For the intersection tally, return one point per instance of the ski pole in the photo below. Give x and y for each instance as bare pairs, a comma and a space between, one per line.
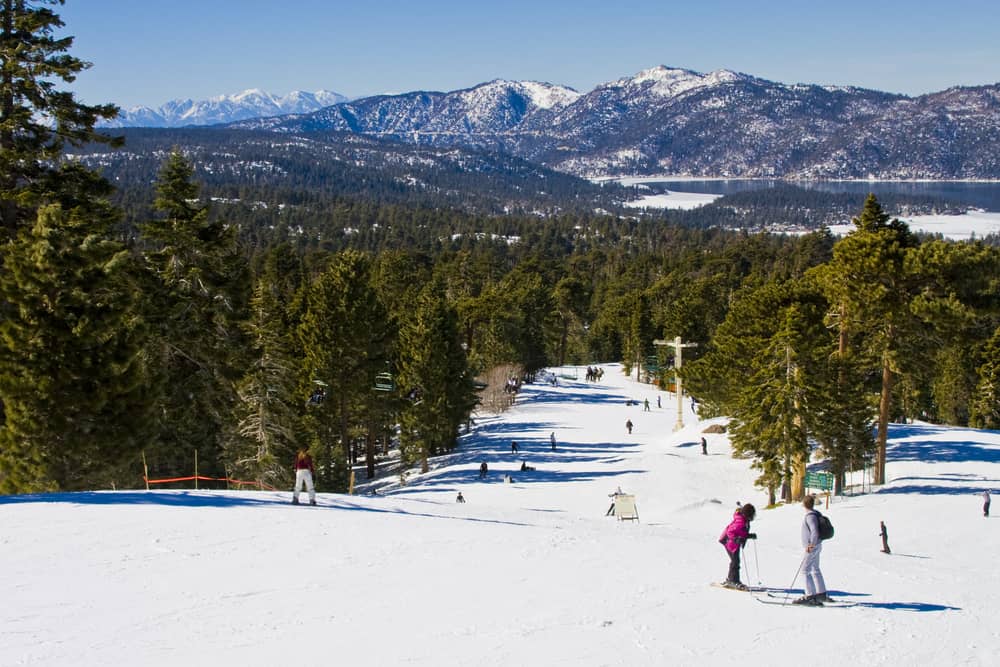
801, 563
756, 562
743, 557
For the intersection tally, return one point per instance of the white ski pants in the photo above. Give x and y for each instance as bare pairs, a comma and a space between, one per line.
810, 568
304, 478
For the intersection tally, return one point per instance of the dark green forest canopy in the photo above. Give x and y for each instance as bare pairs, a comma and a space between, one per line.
223, 299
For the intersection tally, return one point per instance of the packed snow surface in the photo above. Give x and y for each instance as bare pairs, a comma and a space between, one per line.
971, 225
524, 573
673, 200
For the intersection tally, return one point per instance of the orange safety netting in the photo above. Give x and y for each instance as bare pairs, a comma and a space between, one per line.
237, 482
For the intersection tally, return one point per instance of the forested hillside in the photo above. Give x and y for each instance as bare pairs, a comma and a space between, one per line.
142, 319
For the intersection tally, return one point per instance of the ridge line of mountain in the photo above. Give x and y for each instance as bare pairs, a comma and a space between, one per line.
722, 123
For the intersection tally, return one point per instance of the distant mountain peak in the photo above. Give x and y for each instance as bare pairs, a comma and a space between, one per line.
670, 81
250, 103
541, 95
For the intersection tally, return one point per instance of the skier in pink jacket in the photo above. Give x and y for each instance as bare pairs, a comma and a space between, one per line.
733, 538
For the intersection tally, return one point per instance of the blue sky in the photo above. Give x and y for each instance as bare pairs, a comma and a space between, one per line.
147, 52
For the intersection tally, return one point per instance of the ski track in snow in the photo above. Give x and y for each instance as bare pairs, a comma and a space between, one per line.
529, 573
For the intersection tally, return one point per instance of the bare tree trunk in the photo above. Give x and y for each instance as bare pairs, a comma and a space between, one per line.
883, 419
562, 342
799, 479
8, 209
370, 450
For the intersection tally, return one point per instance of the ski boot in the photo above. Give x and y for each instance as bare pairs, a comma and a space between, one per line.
808, 601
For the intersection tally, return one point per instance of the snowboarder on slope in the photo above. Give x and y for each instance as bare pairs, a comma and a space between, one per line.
986, 502
304, 476
733, 538
628, 426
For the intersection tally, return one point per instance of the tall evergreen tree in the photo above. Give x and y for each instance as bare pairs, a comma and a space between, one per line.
765, 368
871, 291
985, 408
344, 335
570, 299
71, 375
195, 294
434, 367
264, 441
37, 120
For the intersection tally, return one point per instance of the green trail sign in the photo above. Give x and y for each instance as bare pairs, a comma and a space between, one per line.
819, 480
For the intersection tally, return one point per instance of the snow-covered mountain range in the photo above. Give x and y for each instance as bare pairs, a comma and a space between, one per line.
662, 120
251, 103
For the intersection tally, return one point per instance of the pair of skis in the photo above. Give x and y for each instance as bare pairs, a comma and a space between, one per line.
778, 596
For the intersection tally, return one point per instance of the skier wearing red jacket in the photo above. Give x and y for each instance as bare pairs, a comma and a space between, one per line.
304, 476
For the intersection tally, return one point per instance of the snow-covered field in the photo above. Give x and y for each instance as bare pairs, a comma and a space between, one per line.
972, 224
528, 573
673, 200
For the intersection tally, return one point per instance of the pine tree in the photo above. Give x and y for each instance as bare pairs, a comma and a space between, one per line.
344, 335
771, 403
985, 408
38, 120
195, 293
871, 291
570, 299
71, 375
435, 370
264, 441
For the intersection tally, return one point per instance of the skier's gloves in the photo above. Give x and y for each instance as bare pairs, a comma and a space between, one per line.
751, 536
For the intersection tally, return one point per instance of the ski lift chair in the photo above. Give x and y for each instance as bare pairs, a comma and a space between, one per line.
384, 382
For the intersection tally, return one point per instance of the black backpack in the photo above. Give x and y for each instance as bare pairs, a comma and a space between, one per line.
823, 526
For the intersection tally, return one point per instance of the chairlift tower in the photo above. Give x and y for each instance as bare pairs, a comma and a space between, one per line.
678, 360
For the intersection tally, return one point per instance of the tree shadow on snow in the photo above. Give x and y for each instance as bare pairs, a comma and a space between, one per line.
937, 451
199, 499
572, 393
158, 497
931, 490
454, 479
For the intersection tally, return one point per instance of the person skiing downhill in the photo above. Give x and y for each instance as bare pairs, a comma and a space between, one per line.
733, 538
304, 476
